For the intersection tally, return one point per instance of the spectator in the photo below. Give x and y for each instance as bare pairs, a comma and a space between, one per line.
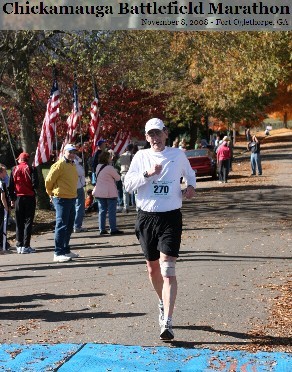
90, 167
230, 145
80, 200
10, 218
132, 195
23, 183
116, 164
224, 139
4, 208
183, 144
106, 193
223, 161
84, 154
101, 147
204, 143
198, 144
125, 161
255, 157
248, 135
61, 186
90, 203
176, 142
217, 142
135, 149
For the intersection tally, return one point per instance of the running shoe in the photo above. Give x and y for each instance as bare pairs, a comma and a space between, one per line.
166, 333
61, 258
24, 250
80, 229
31, 250
117, 232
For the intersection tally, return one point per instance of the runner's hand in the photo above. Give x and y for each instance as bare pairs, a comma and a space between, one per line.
189, 192
156, 169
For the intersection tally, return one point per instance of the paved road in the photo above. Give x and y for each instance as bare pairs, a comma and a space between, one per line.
236, 242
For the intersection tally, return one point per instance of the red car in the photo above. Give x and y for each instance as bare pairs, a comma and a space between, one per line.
203, 162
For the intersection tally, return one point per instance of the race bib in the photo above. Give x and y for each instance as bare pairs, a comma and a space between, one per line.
162, 189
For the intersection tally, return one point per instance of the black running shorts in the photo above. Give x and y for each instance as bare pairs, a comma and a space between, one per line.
159, 232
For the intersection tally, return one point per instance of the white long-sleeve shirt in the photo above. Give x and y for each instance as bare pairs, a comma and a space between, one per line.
81, 172
162, 192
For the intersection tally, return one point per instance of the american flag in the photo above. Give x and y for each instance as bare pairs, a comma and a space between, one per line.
48, 131
94, 125
121, 142
72, 121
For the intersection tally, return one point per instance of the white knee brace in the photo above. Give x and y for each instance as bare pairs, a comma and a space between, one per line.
167, 268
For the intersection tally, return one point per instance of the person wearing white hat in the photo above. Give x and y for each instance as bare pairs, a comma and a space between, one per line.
61, 186
155, 173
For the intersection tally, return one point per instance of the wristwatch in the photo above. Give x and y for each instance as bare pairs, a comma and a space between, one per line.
145, 174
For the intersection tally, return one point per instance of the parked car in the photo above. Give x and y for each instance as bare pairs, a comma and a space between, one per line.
203, 162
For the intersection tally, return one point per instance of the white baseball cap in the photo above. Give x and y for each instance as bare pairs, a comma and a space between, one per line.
69, 147
154, 124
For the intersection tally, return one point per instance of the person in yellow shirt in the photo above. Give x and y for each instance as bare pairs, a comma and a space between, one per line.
61, 186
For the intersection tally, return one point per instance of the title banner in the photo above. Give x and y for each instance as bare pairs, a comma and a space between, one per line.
177, 15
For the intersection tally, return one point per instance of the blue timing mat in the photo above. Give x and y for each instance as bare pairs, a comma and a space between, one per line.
114, 358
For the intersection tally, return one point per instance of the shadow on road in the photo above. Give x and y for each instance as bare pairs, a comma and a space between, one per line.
254, 338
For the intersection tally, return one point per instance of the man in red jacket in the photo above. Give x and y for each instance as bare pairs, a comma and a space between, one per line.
22, 185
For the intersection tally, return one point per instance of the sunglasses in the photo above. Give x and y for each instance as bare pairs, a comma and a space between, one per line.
154, 132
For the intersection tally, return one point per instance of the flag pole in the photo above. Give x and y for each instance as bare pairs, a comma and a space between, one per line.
55, 124
94, 87
81, 140
95, 93
8, 134
80, 123
56, 142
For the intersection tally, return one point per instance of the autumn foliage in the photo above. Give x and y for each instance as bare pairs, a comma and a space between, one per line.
282, 104
120, 107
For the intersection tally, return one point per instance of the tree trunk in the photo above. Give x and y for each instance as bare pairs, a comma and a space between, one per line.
27, 127
43, 200
206, 119
27, 124
285, 120
193, 134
